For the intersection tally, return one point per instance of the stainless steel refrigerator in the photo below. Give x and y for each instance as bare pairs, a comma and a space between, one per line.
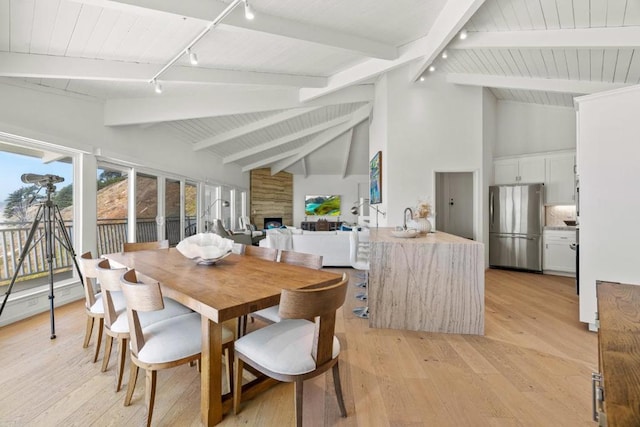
515, 226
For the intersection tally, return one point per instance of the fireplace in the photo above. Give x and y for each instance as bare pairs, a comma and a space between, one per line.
272, 222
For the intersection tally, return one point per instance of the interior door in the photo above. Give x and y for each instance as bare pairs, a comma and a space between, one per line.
454, 200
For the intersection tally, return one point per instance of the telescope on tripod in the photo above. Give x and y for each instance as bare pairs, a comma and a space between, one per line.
49, 214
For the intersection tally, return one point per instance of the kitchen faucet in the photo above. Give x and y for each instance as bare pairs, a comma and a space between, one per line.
405, 217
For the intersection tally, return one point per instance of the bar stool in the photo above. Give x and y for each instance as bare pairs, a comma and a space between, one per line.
359, 260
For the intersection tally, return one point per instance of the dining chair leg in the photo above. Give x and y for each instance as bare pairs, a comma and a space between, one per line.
338, 387
122, 355
99, 339
229, 366
89, 330
133, 377
150, 393
237, 390
298, 398
107, 352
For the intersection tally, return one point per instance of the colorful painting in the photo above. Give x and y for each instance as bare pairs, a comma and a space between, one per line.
322, 205
375, 179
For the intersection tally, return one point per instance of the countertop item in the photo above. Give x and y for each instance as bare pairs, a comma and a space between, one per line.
432, 283
405, 234
560, 227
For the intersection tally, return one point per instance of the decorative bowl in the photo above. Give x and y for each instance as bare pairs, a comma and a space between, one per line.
405, 234
205, 248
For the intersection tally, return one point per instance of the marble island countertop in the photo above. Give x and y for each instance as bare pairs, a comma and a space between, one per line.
432, 283
384, 235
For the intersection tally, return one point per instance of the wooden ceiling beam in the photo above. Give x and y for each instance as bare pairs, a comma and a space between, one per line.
580, 38
324, 138
266, 162
269, 145
252, 127
219, 101
24, 65
207, 11
527, 83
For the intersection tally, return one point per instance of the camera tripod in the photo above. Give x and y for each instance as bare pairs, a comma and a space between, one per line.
54, 228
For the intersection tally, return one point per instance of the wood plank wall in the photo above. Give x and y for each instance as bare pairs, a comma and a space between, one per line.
271, 196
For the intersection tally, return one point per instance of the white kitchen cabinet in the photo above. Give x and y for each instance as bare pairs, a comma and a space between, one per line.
560, 179
558, 257
521, 170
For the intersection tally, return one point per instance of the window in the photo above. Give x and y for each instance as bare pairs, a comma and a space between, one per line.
146, 208
172, 202
21, 203
190, 209
112, 215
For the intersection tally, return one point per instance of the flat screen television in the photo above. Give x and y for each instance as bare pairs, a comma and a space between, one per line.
322, 205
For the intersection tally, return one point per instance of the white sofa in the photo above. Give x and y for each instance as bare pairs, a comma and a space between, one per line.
332, 245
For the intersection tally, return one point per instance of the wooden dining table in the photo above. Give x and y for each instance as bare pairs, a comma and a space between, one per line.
235, 286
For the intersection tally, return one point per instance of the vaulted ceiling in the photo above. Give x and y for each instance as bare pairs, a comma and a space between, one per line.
292, 88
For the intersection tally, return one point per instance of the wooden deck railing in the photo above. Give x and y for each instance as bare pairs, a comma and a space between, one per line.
111, 234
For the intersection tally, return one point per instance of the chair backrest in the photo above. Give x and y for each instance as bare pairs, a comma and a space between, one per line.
139, 297
301, 259
145, 246
243, 222
218, 228
269, 254
88, 266
322, 225
109, 279
318, 303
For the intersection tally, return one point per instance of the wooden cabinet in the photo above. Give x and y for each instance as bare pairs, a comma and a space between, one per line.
560, 179
616, 394
558, 255
522, 170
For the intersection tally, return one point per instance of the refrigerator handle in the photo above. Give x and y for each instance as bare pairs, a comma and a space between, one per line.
491, 207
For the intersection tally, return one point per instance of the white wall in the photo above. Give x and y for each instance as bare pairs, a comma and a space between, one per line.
524, 128
431, 126
608, 153
489, 138
346, 188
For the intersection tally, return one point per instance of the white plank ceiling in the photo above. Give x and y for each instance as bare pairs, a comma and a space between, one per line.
291, 89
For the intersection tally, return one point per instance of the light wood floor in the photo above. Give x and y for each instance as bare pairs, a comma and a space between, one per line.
531, 369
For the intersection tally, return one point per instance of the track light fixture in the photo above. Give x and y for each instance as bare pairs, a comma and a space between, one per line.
445, 55
157, 86
432, 68
193, 57
463, 34
421, 78
248, 11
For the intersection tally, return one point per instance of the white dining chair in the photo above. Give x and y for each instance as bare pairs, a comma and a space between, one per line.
296, 349
116, 325
164, 344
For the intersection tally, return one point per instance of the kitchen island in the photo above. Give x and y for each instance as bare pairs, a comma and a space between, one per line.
432, 283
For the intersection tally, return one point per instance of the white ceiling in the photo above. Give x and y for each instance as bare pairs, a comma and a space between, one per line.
291, 90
